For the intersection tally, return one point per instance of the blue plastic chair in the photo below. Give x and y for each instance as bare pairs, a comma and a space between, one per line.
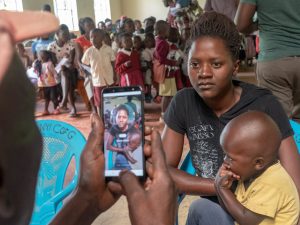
61, 143
187, 165
296, 128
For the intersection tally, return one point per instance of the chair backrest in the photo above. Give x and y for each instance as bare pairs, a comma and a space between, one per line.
296, 128
62, 143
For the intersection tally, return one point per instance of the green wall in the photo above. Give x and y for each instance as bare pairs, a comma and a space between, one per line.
36, 4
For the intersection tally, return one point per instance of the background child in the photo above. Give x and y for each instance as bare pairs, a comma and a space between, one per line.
265, 193
175, 54
146, 62
64, 51
23, 55
128, 63
47, 80
167, 89
101, 59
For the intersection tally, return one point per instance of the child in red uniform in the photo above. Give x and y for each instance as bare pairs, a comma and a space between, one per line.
128, 64
167, 89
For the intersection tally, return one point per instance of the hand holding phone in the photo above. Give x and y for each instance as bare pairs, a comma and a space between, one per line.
124, 130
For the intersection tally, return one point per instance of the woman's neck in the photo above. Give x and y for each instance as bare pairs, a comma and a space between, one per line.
225, 101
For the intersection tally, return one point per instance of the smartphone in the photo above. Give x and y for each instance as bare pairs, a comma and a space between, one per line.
123, 116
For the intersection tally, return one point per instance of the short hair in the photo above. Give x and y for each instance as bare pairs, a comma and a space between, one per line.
98, 31
46, 8
122, 107
124, 35
63, 27
160, 26
216, 25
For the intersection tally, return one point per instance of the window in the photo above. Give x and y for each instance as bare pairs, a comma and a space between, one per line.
15, 5
66, 11
102, 10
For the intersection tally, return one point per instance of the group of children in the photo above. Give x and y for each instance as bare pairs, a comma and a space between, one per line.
120, 59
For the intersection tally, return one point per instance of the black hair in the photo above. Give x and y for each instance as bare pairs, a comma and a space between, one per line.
46, 8
81, 23
126, 21
98, 31
124, 35
63, 27
122, 107
173, 35
216, 25
160, 26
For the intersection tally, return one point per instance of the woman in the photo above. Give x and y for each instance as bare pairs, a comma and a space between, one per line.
81, 45
202, 112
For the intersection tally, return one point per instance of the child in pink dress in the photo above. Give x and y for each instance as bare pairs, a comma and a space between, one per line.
128, 64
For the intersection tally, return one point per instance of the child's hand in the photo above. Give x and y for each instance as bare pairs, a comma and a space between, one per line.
128, 63
67, 55
225, 177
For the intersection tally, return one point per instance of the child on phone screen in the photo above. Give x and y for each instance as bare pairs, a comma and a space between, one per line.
265, 193
123, 139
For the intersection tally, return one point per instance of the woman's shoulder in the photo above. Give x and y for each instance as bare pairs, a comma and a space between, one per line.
186, 95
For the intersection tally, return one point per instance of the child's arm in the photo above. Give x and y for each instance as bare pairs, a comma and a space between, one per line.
121, 64
129, 157
241, 214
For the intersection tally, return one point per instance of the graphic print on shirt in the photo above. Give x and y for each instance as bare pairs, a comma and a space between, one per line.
206, 157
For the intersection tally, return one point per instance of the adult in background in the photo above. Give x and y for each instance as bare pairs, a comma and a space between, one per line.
225, 7
278, 66
82, 43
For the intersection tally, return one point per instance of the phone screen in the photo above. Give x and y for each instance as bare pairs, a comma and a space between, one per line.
124, 130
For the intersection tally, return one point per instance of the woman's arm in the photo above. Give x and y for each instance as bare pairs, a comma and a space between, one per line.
290, 159
110, 147
173, 147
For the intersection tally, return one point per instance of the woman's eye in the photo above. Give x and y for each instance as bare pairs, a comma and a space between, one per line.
216, 65
194, 65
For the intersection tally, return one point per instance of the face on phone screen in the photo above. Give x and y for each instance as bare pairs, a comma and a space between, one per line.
123, 138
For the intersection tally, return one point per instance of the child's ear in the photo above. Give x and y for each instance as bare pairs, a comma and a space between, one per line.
259, 163
236, 67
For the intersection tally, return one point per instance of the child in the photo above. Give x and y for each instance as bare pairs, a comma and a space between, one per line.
47, 80
146, 62
128, 64
265, 193
123, 138
64, 51
138, 44
101, 59
167, 88
23, 55
176, 55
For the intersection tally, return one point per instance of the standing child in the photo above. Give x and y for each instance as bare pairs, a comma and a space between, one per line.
100, 57
23, 55
176, 55
265, 193
167, 88
47, 80
64, 50
128, 63
147, 58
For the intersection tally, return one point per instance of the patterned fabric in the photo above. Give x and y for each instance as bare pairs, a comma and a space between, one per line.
63, 51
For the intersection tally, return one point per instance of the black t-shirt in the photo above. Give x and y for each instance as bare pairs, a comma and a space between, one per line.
188, 114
